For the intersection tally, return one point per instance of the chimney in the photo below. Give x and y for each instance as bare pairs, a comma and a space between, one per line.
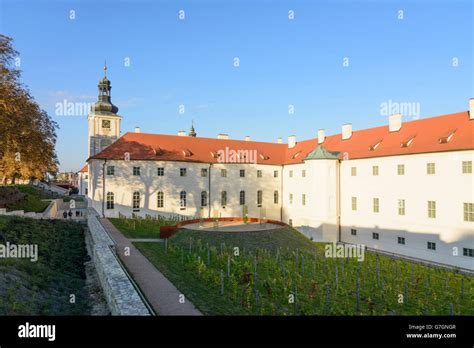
321, 136
223, 136
291, 141
394, 122
182, 133
471, 109
137, 129
346, 131
279, 140
247, 138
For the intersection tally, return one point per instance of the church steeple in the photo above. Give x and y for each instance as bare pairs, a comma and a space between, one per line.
192, 132
104, 104
103, 121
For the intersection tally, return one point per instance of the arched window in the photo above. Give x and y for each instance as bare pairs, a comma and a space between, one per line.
182, 199
110, 200
224, 198
160, 199
259, 198
203, 199
242, 197
136, 200
275, 197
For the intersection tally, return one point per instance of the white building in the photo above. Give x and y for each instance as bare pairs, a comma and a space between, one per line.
405, 188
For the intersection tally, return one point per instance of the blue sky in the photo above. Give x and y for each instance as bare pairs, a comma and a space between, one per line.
283, 62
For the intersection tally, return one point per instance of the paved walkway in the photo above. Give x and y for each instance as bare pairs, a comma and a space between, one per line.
162, 295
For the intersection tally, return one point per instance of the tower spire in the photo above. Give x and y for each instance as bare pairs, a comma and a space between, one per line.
105, 68
192, 132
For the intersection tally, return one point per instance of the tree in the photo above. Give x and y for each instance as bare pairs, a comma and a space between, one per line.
27, 133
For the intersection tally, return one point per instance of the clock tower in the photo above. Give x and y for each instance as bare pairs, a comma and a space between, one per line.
103, 120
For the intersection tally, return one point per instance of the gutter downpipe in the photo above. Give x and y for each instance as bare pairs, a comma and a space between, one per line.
338, 198
209, 202
103, 188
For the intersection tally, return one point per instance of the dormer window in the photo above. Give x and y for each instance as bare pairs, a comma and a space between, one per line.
447, 137
375, 146
215, 154
187, 153
106, 124
296, 154
158, 151
407, 142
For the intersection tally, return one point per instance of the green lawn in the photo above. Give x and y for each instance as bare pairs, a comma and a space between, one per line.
290, 266
43, 287
35, 200
141, 228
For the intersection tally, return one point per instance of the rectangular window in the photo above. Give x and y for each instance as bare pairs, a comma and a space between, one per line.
182, 171
469, 212
467, 167
303, 199
291, 198
224, 198
401, 207
110, 200
401, 240
259, 198
136, 200
430, 168
468, 252
291, 173
204, 199
275, 197
224, 173
401, 169
160, 199
275, 173
242, 173
375, 170
353, 171
431, 246
354, 203
303, 173
110, 170
136, 170
204, 172
376, 205
259, 173
182, 200
242, 197
432, 209
375, 235
353, 232
160, 171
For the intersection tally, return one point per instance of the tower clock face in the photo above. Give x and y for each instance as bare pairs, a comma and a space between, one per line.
106, 124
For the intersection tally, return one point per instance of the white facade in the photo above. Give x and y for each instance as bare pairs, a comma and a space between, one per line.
123, 184
449, 188
418, 205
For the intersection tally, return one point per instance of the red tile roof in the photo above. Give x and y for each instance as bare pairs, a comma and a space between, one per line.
426, 134
84, 169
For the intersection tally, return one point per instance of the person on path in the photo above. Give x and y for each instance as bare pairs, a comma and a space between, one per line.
70, 214
65, 214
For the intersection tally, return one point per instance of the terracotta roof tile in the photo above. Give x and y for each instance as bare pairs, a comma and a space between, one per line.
426, 134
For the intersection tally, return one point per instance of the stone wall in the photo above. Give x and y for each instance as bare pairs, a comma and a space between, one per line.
121, 295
